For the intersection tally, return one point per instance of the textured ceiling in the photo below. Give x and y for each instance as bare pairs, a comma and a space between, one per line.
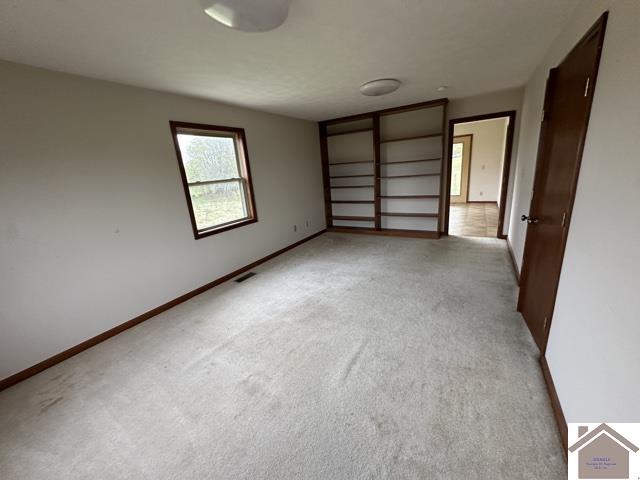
310, 67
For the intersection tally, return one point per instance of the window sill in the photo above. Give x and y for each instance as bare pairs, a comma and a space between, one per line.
198, 234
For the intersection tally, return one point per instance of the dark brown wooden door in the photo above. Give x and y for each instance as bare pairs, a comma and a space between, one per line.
567, 106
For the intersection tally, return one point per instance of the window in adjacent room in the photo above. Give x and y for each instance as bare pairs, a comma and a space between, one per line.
456, 168
215, 172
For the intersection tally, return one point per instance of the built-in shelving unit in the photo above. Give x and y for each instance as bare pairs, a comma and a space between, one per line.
382, 170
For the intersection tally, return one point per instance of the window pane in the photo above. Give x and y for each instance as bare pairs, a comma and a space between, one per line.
456, 169
217, 203
208, 158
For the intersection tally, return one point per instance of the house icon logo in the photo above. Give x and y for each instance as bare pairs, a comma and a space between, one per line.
602, 453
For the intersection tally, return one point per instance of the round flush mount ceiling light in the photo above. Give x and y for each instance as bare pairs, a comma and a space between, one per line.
248, 15
442, 88
382, 86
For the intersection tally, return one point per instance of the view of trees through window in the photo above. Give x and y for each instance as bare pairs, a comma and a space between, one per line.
215, 183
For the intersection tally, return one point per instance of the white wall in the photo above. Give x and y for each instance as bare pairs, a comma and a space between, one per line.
95, 228
487, 154
500, 101
593, 349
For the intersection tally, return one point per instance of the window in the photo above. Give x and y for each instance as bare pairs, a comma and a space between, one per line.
215, 173
456, 169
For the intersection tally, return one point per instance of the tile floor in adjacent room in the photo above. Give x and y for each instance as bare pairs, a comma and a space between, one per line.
473, 219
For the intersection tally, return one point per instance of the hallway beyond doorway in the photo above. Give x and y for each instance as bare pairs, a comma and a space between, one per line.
488, 167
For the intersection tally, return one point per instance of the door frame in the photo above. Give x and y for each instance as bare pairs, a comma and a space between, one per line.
506, 165
598, 28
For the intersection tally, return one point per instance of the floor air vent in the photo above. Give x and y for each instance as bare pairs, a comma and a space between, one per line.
245, 277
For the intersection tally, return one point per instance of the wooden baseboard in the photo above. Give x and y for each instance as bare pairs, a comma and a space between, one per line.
482, 201
514, 264
51, 361
386, 232
555, 404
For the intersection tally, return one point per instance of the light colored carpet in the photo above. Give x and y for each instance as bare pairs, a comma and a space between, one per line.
350, 357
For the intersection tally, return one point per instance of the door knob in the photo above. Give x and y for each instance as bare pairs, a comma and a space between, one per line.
529, 220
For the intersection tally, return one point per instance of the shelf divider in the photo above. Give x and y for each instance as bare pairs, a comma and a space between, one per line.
354, 218
359, 130
412, 137
398, 214
410, 196
376, 168
351, 176
350, 163
412, 161
413, 175
326, 181
444, 178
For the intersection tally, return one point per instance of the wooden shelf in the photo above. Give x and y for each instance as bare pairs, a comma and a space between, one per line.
421, 215
350, 163
351, 176
353, 201
348, 229
349, 217
352, 186
359, 130
409, 196
409, 176
412, 161
389, 232
414, 137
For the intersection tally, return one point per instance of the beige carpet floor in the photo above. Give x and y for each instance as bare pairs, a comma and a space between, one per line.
350, 357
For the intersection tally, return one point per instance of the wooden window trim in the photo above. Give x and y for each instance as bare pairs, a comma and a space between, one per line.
242, 156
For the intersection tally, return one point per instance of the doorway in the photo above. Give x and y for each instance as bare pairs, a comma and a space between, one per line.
478, 174
567, 105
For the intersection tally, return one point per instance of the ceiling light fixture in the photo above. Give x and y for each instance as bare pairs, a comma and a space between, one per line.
382, 86
442, 88
248, 15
